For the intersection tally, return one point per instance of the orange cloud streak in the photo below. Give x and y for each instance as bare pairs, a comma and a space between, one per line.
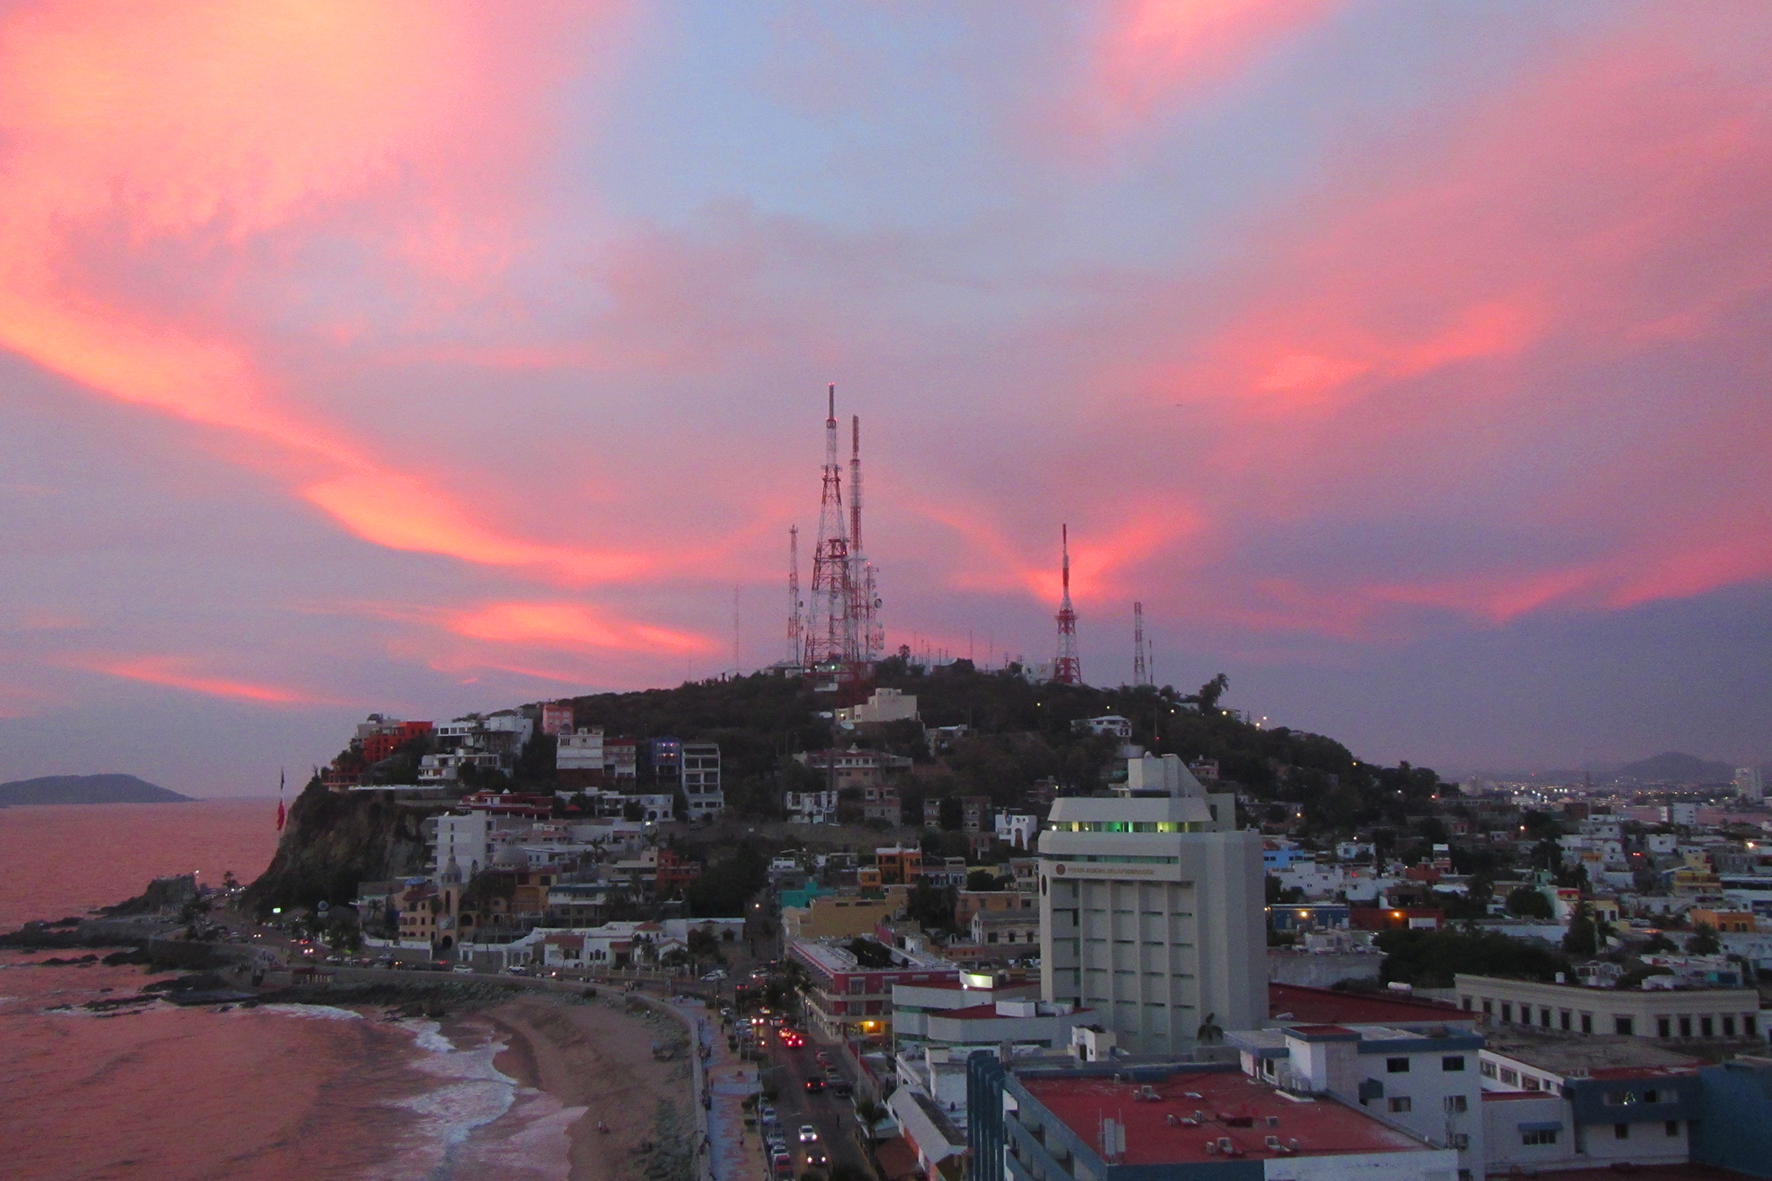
167, 671
570, 625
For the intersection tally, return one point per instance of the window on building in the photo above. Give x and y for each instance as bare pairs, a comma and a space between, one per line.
1507, 1012
1663, 1027
1487, 1069
1672, 1127
1529, 1081
1706, 1027
1452, 1062
1488, 1007
1544, 1018
1587, 1023
1399, 1104
1623, 1026
1510, 1077
1539, 1136
1621, 1131
1729, 1026
1396, 1066
1462, 1141
1564, 1020
1465, 1003
1457, 1104
1685, 1027
1748, 1022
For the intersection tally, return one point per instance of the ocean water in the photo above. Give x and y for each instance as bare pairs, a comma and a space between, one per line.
273, 1092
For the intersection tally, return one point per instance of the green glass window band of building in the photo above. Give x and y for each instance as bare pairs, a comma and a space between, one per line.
1117, 859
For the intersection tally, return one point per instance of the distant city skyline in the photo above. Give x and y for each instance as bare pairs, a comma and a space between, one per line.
1407, 362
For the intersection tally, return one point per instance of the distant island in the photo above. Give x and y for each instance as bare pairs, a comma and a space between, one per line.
87, 789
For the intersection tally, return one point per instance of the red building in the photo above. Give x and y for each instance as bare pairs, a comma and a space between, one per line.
384, 742
675, 872
1396, 918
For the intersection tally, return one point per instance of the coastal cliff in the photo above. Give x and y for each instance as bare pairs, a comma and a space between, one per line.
333, 840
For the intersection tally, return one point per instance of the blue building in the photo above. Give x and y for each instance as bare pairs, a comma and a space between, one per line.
1735, 1128
1308, 916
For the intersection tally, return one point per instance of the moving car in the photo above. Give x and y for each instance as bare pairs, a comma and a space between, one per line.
814, 1082
808, 1134
816, 1159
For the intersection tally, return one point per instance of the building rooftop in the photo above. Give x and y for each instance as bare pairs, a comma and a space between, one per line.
1295, 1003
1227, 1104
1590, 1057
831, 956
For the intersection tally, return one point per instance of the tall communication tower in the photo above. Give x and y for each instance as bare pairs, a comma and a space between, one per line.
1067, 669
831, 637
796, 620
865, 599
1141, 670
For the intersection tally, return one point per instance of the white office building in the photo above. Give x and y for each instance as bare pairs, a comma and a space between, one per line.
580, 749
1749, 784
701, 780
1151, 910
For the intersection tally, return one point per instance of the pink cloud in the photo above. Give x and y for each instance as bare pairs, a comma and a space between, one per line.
1457, 299
1152, 55
221, 135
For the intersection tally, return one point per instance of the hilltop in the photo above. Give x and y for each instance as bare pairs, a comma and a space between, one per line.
994, 734
1676, 767
86, 789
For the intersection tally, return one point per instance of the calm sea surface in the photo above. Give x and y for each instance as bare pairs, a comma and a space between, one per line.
274, 1092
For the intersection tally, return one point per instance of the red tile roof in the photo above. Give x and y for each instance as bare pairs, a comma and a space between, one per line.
1233, 1105
1326, 1006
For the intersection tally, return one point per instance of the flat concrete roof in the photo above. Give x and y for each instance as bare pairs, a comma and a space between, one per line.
1589, 1056
1233, 1106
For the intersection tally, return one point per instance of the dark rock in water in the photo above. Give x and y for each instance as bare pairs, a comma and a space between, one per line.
161, 894
134, 956
218, 996
87, 789
195, 982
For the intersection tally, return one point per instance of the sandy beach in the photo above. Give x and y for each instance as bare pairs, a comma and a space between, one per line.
596, 1058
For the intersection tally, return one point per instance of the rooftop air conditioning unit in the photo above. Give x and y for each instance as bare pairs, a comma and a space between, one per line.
1211, 1147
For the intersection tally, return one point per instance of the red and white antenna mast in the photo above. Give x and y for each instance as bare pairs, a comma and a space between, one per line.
864, 606
830, 632
1067, 669
796, 621
1141, 673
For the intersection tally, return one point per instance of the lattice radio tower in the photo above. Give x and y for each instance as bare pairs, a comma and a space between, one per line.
831, 631
864, 603
1067, 669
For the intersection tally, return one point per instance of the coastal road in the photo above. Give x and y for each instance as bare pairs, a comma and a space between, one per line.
832, 1116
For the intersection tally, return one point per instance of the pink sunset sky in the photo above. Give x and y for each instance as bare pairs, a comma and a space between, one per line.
1410, 362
